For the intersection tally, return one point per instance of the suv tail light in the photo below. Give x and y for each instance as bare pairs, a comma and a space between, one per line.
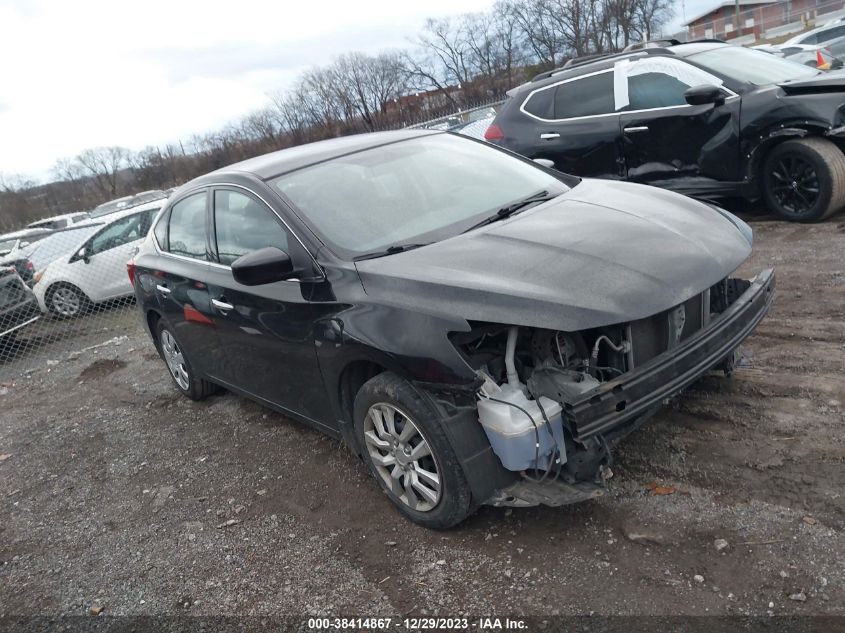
130, 270
494, 133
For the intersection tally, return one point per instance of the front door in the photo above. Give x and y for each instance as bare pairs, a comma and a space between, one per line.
264, 334
103, 275
667, 142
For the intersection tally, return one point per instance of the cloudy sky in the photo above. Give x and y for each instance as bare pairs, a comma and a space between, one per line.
85, 73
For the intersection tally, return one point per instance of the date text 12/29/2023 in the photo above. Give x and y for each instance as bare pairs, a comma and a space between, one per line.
417, 624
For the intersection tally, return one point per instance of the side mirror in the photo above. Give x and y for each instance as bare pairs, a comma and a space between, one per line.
264, 266
545, 162
704, 94
83, 254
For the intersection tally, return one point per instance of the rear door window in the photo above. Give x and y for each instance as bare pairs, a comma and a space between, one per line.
187, 227
585, 96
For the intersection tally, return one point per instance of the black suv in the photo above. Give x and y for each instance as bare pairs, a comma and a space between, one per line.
706, 119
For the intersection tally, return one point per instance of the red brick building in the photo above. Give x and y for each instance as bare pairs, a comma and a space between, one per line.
756, 17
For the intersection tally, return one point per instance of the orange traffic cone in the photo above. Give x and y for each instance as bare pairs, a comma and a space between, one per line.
821, 64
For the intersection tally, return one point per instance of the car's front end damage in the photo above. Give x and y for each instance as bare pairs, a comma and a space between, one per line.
554, 403
572, 324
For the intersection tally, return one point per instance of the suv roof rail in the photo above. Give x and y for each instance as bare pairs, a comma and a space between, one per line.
660, 42
597, 57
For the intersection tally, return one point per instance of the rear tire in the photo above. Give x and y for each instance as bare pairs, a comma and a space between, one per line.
403, 443
179, 366
803, 180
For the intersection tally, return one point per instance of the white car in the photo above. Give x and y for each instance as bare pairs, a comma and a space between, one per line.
59, 221
92, 267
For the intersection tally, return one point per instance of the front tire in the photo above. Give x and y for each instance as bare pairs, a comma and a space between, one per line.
408, 454
180, 368
66, 301
804, 180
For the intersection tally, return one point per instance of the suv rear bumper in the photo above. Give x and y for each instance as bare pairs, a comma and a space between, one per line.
635, 393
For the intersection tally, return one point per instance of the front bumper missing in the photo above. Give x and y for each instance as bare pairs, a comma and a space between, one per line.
635, 393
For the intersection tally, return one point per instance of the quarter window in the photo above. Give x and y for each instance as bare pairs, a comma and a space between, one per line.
187, 230
541, 103
242, 224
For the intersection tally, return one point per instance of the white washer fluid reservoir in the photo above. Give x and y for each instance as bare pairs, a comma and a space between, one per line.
520, 437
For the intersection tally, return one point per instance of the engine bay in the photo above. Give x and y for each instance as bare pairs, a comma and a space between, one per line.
529, 376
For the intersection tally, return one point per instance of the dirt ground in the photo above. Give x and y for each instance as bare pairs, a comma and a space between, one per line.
117, 493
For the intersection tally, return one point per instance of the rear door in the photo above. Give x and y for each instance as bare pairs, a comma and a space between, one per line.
576, 126
667, 142
265, 334
181, 275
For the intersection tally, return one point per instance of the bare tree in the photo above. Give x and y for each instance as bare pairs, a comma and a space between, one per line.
103, 165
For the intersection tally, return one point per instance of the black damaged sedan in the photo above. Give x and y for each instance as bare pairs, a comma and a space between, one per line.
478, 328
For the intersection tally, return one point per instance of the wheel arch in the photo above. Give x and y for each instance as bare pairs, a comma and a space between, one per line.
775, 135
151, 318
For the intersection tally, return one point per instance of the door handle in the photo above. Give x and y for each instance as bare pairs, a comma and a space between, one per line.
222, 305
547, 136
163, 289
636, 129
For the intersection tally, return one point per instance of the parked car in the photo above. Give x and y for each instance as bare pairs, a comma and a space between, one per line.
127, 202
18, 306
815, 56
821, 35
706, 119
59, 221
478, 328
12, 242
91, 265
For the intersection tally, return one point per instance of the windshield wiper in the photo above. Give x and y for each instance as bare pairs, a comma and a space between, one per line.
510, 209
390, 250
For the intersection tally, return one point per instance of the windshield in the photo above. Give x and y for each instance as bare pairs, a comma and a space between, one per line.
59, 244
750, 66
415, 191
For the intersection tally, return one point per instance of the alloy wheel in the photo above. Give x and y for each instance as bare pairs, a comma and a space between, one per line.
795, 184
174, 359
402, 457
66, 302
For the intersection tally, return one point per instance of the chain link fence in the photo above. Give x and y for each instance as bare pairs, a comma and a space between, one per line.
64, 287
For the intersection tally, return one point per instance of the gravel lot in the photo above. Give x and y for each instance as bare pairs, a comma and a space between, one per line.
117, 493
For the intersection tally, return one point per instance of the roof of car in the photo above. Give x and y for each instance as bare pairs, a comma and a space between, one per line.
819, 29
117, 215
285, 160
692, 48
592, 63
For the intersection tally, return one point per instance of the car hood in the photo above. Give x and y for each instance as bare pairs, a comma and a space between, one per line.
833, 81
600, 254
